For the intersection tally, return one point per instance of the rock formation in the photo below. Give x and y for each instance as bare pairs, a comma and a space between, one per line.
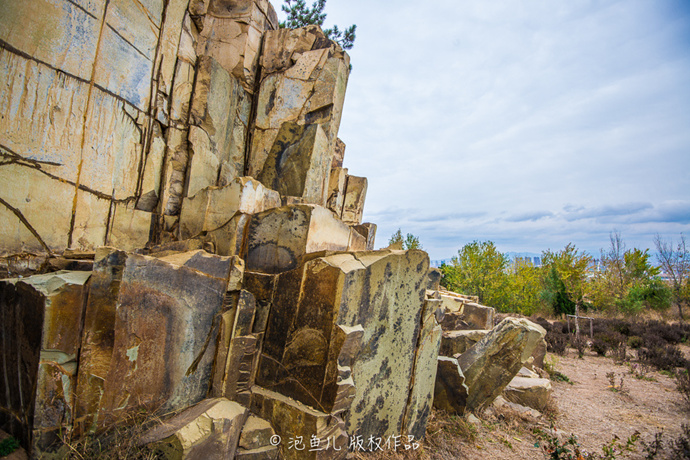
178, 234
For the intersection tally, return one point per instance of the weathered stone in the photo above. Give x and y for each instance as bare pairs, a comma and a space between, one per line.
260, 453
209, 430
424, 374
214, 207
530, 392
500, 403
368, 230
231, 238
298, 163
493, 361
231, 34
450, 391
256, 433
458, 342
480, 316
338, 154
279, 237
358, 242
295, 421
174, 172
216, 98
263, 287
336, 190
455, 321
303, 358
434, 277
130, 228
148, 322
153, 167
307, 74
355, 194
41, 318
539, 354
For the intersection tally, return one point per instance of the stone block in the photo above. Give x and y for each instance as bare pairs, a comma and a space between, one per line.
353, 205
209, 430
338, 154
357, 241
458, 342
130, 227
147, 334
368, 230
278, 238
480, 316
306, 353
41, 318
256, 433
539, 354
493, 361
298, 163
530, 392
434, 279
214, 207
293, 420
336, 190
450, 391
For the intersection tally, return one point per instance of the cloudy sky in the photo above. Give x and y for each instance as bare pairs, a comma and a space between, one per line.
531, 123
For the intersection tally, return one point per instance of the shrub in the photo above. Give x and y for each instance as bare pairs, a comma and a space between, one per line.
635, 342
556, 342
580, 344
665, 358
8, 445
599, 345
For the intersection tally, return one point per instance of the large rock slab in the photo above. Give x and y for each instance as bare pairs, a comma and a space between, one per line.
298, 425
316, 310
209, 430
278, 238
493, 361
41, 337
150, 324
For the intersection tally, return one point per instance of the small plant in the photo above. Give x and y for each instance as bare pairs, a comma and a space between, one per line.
681, 445
640, 371
682, 377
635, 342
553, 449
550, 368
580, 344
666, 357
8, 445
557, 342
599, 345
655, 447
620, 388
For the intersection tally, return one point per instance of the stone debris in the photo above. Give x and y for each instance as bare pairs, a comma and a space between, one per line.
530, 391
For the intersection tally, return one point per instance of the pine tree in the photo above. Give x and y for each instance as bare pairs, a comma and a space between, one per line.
300, 15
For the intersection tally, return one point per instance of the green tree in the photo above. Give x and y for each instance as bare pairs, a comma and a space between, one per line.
409, 242
524, 287
479, 269
300, 15
571, 268
555, 294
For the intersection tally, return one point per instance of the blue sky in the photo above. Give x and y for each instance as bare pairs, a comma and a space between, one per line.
531, 123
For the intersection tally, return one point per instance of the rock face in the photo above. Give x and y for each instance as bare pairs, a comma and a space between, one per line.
184, 155
493, 362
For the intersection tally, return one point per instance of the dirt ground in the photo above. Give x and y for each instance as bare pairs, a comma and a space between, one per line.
591, 410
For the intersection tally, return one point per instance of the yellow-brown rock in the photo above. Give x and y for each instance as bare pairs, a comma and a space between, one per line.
297, 423
147, 334
493, 361
209, 430
41, 319
298, 163
353, 204
278, 238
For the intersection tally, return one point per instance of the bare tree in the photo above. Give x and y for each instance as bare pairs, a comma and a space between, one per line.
675, 264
